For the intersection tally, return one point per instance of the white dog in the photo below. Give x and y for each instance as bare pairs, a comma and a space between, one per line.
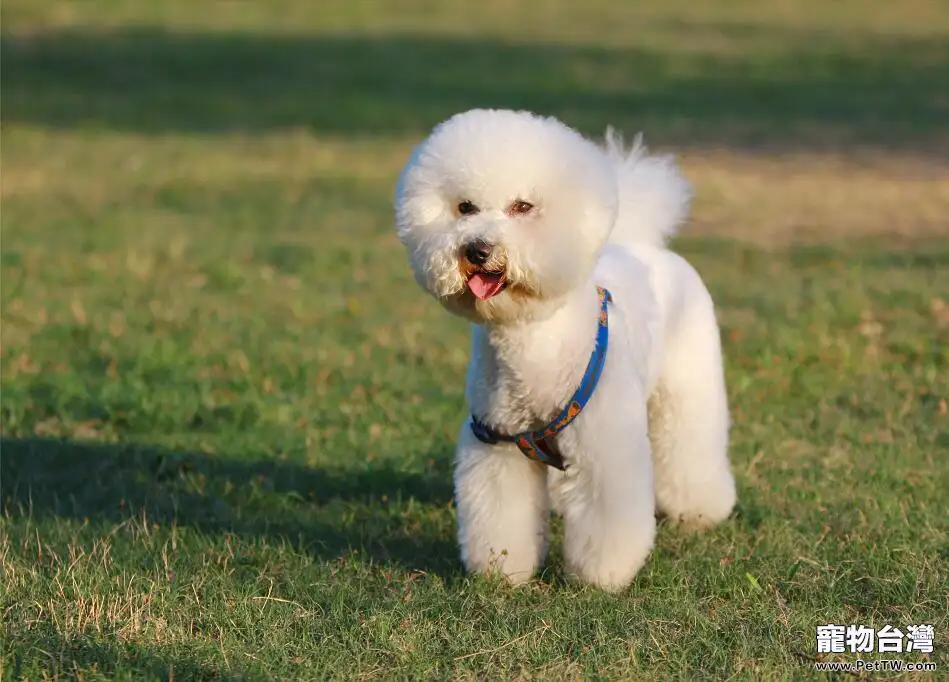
553, 246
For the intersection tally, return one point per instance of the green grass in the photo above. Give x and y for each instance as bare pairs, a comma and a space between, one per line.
228, 411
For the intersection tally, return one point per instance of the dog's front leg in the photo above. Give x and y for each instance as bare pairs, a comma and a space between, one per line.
501, 497
608, 503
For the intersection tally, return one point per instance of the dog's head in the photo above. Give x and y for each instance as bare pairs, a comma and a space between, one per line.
503, 213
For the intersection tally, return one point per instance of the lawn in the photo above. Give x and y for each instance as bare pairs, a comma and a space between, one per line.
227, 410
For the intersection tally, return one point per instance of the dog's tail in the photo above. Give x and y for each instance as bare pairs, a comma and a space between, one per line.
653, 194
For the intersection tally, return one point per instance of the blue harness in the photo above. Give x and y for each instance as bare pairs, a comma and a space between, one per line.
536, 445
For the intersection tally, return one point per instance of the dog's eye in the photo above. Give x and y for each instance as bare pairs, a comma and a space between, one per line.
467, 208
520, 208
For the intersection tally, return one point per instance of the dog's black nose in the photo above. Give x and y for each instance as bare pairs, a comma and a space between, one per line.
478, 252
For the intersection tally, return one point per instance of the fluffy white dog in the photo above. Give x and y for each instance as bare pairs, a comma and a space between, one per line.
545, 241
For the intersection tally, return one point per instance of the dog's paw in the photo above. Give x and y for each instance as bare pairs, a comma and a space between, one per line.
510, 567
693, 523
609, 561
610, 573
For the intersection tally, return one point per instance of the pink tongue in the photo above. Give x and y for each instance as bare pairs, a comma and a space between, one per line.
484, 285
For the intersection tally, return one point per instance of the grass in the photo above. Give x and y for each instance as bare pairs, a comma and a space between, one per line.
228, 412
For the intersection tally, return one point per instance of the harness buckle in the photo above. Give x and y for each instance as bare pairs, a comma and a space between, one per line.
483, 433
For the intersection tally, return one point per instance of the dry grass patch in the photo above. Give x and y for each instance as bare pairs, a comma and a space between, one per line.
779, 199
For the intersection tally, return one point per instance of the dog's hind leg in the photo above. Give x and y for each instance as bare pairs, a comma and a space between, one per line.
501, 497
688, 426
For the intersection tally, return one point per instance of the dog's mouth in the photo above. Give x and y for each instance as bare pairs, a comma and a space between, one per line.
485, 284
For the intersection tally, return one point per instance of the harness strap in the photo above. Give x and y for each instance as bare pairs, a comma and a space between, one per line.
538, 444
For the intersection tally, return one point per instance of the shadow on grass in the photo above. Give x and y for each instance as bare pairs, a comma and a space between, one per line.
43, 653
329, 514
806, 88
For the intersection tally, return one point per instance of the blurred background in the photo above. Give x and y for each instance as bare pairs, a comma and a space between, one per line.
208, 321
811, 82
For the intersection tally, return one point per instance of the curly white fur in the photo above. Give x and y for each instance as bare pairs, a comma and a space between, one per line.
654, 437
653, 195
